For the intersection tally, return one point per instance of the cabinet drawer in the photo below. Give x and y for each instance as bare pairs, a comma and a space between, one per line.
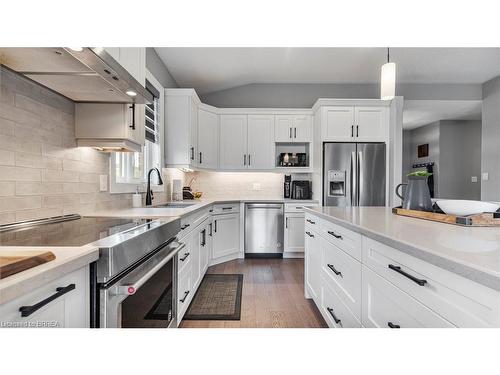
336, 314
343, 238
386, 306
459, 300
184, 292
226, 208
343, 273
312, 222
185, 255
191, 221
69, 310
297, 207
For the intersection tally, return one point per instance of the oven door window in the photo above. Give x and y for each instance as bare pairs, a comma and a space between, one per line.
152, 305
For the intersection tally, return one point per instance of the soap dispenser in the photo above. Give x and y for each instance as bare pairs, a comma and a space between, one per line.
137, 198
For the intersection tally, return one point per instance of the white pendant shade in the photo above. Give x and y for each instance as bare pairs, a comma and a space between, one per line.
388, 81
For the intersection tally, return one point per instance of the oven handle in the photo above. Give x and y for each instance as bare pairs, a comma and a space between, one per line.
132, 288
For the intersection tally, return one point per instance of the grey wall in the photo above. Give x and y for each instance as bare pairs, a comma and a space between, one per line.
304, 95
455, 148
425, 134
490, 150
459, 159
158, 69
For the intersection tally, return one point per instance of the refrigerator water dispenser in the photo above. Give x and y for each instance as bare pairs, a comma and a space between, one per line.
336, 183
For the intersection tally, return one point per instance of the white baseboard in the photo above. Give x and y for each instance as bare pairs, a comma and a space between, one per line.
293, 255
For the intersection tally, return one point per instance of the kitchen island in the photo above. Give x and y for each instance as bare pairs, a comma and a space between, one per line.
369, 261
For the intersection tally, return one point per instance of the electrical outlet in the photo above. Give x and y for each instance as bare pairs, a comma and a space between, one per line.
103, 182
256, 186
486, 176
473, 179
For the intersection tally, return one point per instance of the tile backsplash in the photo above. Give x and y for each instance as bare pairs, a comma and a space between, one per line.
42, 172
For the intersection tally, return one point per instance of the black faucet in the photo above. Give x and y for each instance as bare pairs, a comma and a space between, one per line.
149, 194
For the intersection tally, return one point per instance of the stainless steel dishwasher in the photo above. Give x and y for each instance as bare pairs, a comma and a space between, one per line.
264, 230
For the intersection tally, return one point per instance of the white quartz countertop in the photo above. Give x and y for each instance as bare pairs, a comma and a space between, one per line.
158, 212
68, 259
472, 252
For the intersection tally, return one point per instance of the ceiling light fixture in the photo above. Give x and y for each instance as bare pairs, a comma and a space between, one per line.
131, 93
388, 80
76, 49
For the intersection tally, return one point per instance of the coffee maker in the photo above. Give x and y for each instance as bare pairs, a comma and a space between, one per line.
287, 186
301, 189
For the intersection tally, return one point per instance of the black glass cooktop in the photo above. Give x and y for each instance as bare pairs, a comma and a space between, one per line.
74, 231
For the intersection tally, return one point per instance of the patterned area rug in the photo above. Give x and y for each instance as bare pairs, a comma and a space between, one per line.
217, 298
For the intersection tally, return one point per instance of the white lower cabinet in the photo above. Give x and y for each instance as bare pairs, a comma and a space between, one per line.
294, 232
226, 235
385, 306
184, 291
69, 309
312, 261
336, 314
380, 286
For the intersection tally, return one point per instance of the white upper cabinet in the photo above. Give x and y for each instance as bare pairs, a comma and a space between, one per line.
293, 128
372, 123
260, 142
181, 124
233, 142
355, 123
208, 139
133, 59
338, 123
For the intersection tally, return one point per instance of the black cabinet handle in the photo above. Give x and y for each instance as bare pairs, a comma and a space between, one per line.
286, 222
132, 107
210, 231
290, 133
337, 320
192, 153
249, 163
357, 130
398, 269
392, 325
185, 226
309, 234
338, 273
335, 235
310, 221
185, 296
226, 208
200, 158
244, 159
203, 237
28, 310
352, 131
295, 132
215, 226
185, 257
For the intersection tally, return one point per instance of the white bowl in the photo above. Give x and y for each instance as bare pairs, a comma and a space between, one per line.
463, 207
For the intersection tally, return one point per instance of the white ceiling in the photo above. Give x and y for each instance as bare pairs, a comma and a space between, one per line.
418, 113
214, 69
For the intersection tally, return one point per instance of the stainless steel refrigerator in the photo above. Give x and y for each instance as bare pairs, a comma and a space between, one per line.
354, 174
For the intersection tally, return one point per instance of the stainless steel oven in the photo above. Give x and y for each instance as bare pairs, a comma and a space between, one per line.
135, 281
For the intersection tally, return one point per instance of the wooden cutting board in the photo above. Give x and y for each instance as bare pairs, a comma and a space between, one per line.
12, 262
487, 219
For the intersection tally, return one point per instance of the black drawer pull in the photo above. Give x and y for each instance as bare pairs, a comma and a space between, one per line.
185, 257
392, 325
185, 296
309, 234
335, 235
337, 320
227, 208
398, 269
185, 226
338, 273
28, 310
310, 221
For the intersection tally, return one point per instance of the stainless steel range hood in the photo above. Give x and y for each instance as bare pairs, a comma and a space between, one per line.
89, 75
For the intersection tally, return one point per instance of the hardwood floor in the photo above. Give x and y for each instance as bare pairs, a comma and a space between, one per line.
272, 296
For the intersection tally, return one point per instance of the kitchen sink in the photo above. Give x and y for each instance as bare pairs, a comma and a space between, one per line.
175, 205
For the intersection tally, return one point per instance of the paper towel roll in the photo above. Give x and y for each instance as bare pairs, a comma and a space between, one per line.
177, 190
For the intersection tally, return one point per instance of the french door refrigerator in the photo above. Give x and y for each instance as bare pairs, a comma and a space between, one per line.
354, 174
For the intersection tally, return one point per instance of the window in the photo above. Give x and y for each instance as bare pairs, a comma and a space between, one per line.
129, 170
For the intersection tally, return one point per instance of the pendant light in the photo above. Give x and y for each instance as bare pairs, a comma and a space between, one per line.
388, 80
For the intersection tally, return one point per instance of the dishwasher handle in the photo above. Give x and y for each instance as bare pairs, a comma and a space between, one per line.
266, 206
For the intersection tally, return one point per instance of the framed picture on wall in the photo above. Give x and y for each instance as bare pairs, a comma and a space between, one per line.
423, 150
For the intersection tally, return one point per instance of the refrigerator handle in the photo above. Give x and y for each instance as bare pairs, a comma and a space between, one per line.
353, 179
360, 175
